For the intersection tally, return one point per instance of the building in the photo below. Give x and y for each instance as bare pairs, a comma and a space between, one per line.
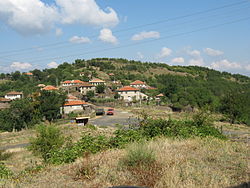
158, 97
13, 95
128, 94
76, 106
50, 88
138, 84
72, 83
28, 73
85, 87
97, 81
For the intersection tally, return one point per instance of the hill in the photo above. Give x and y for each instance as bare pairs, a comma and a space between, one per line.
183, 87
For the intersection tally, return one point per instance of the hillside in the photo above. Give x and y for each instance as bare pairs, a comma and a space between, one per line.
182, 87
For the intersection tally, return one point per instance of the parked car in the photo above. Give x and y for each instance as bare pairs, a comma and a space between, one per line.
110, 111
99, 111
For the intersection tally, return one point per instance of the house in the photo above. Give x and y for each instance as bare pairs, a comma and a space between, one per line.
138, 84
49, 88
28, 73
13, 95
85, 87
41, 85
76, 106
158, 97
128, 94
97, 81
71, 98
71, 82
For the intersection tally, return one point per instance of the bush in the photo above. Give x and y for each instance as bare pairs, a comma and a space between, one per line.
48, 140
87, 144
4, 155
138, 154
123, 137
4, 171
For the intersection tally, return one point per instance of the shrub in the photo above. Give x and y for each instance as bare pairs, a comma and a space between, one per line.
4, 155
123, 137
138, 154
4, 171
87, 144
48, 139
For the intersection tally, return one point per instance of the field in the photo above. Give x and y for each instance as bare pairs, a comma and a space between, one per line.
161, 162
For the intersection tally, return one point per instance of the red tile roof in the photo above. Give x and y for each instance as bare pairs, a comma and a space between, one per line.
74, 103
128, 88
138, 82
4, 100
96, 80
86, 84
49, 88
67, 82
14, 93
77, 82
160, 95
28, 73
151, 88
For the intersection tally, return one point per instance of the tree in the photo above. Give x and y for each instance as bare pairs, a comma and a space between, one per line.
50, 103
100, 88
48, 139
232, 105
90, 94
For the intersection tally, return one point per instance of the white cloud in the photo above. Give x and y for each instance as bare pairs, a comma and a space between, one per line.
35, 17
107, 36
213, 52
196, 62
52, 64
140, 55
225, 64
29, 16
178, 60
86, 12
79, 40
247, 67
146, 35
194, 53
59, 32
20, 66
164, 52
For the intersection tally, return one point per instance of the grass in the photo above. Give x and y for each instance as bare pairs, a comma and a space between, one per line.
196, 162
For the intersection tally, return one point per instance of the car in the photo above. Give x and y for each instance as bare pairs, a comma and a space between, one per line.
99, 111
110, 111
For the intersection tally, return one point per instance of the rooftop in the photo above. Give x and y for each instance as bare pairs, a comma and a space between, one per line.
49, 88
138, 82
75, 103
96, 80
14, 93
128, 88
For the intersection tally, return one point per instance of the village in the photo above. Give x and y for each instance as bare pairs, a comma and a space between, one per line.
80, 95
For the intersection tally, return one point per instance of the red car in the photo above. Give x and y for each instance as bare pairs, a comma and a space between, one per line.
110, 111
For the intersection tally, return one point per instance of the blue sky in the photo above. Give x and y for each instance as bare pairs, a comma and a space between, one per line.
44, 33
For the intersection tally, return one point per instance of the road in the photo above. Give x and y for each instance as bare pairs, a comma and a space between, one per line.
120, 117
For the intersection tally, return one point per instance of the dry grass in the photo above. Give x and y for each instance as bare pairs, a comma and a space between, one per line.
179, 163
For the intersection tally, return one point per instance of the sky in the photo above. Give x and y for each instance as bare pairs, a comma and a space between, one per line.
39, 34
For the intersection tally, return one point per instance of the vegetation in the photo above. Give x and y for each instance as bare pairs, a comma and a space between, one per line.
49, 138
27, 112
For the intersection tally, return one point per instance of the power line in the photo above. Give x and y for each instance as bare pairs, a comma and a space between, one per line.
149, 41
207, 18
136, 27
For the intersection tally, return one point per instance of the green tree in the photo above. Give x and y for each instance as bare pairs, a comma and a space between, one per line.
50, 103
100, 88
232, 105
48, 139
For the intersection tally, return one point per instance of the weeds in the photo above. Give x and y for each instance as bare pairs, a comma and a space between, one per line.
4, 155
